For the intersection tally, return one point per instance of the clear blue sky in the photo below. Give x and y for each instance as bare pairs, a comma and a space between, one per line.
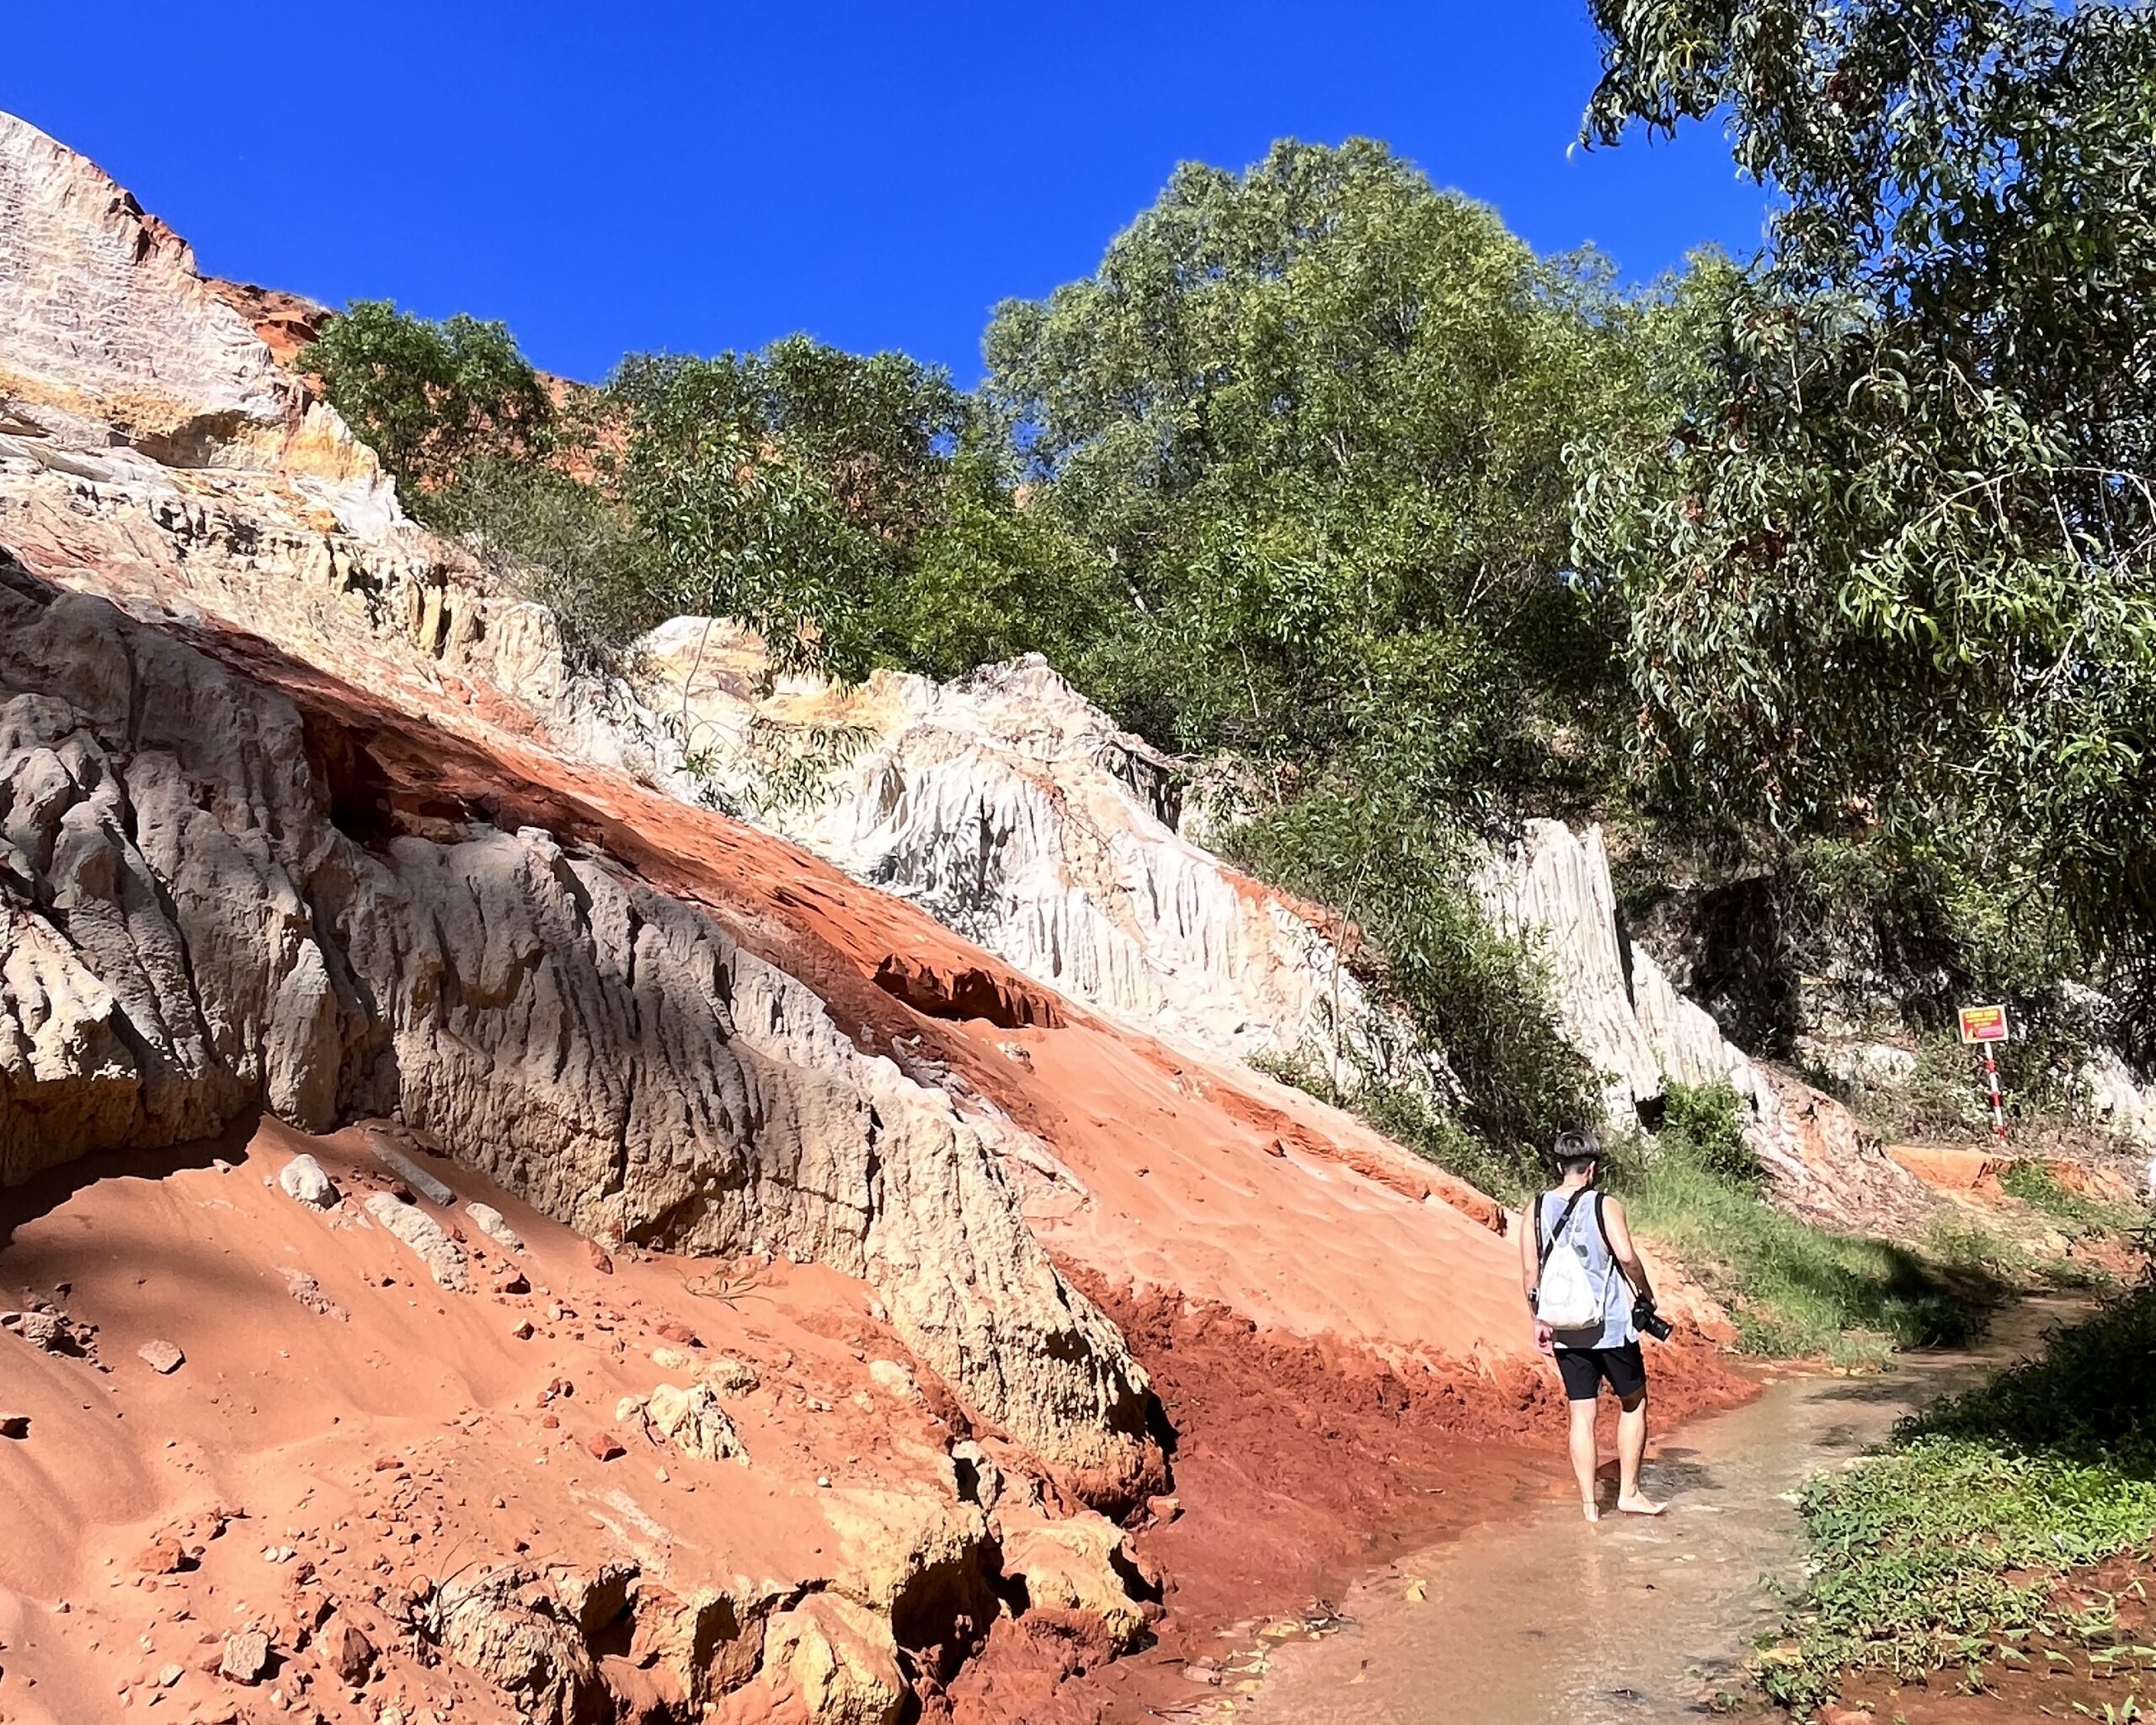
613, 176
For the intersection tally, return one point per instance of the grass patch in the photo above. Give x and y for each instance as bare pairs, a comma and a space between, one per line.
2037, 1186
1943, 1550
1792, 1290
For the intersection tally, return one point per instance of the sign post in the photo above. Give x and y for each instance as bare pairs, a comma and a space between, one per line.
1986, 1027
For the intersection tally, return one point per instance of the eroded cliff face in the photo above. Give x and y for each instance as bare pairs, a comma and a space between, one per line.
1617, 1005
202, 938
1014, 811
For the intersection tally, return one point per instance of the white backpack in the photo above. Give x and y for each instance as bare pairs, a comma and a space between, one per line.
1567, 1298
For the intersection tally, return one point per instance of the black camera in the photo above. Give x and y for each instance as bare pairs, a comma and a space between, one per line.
1647, 1322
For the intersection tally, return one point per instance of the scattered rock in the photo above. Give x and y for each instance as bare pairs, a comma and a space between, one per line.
599, 1260
522, 1330
308, 1291
401, 1165
514, 1282
604, 1446
161, 1356
15, 1425
495, 1226
163, 1557
52, 1332
303, 1180
674, 1330
1165, 1510
442, 1256
246, 1657
671, 1359
693, 1422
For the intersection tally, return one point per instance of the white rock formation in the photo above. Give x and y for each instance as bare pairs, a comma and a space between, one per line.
1552, 891
605, 1051
107, 305
1014, 811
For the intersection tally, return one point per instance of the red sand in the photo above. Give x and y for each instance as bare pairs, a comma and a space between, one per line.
412, 1437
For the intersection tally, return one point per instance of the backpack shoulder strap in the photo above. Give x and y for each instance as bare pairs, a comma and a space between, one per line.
1602, 1222
1549, 1245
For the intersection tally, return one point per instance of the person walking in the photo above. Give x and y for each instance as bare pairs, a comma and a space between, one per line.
1583, 1282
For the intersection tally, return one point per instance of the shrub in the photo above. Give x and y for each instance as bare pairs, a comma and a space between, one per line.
1943, 1550
1792, 1290
430, 398
1707, 1121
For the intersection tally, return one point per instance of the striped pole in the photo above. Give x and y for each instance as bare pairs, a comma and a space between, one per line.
1998, 1102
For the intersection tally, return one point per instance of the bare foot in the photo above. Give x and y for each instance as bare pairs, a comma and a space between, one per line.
1637, 1505
1591, 1511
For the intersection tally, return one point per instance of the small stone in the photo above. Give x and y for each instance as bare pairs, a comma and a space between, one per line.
824, 1480
408, 1171
345, 1651
605, 1446
169, 1675
308, 1291
522, 1330
670, 1360
1164, 1509
599, 1260
161, 1356
443, 1258
674, 1330
246, 1656
303, 1181
512, 1282
729, 1376
162, 1558
15, 1425
494, 1226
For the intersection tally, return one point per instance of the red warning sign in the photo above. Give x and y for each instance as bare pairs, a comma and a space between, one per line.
1983, 1024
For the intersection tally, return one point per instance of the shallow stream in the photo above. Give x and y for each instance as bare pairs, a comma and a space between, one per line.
1549, 1619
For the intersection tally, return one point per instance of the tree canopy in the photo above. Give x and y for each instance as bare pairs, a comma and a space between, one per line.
1312, 418
1890, 565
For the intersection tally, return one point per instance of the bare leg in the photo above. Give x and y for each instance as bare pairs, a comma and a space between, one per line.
1632, 1450
1581, 1441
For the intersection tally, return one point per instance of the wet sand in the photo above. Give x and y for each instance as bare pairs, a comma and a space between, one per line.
1526, 1621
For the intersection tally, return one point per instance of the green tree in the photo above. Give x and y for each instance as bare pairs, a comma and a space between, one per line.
431, 398
1890, 569
788, 487
1309, 421
1312, 416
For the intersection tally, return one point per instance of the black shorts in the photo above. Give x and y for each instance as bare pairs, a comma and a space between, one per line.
1583, 1370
